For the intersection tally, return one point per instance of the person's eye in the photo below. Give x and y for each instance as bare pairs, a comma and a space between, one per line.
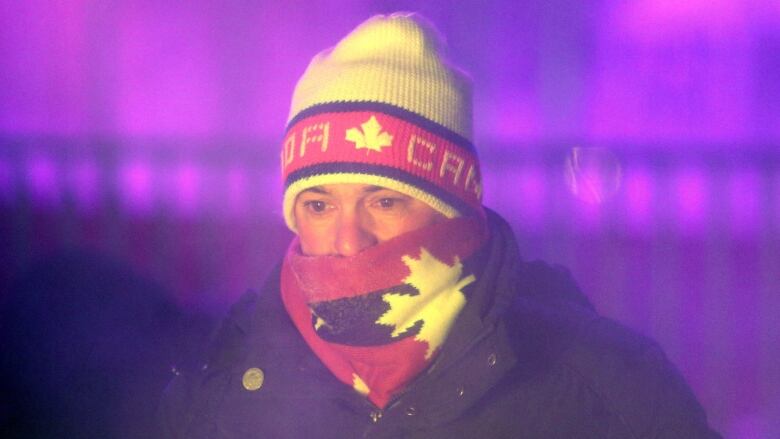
316, 206
390, 204
387, 203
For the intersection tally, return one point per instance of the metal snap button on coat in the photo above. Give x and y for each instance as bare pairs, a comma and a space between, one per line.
411, 411
491, 360
253, 379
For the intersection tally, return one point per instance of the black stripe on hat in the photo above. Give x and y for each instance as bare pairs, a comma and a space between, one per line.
385, 171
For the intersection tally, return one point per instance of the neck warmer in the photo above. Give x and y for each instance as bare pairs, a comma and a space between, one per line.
377, 319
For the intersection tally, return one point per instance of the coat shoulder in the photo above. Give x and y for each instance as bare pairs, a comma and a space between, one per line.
627, 373
633, 377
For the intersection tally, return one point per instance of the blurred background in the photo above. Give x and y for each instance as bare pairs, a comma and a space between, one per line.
635, 142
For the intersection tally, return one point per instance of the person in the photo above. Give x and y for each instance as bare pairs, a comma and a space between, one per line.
402, 307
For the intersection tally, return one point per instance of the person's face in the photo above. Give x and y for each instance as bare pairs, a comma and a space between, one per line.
344, 219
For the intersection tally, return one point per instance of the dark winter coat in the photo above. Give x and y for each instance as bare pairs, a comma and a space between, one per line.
530, 360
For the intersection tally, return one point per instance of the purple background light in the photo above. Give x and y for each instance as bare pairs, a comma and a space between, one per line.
691, 192
150, 131
166, 78
137, 188
7, 184
84, 185
530, 183
43, 181
237, 192
745, 201
186, 190
638, 198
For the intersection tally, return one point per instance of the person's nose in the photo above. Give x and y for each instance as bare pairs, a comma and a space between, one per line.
353, 234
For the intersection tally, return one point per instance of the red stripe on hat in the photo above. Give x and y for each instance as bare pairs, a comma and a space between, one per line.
377, 138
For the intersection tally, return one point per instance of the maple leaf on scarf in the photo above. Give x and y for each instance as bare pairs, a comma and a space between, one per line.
440, 299
359, 385
371, 137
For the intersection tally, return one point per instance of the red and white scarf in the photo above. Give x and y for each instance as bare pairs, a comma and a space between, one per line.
378, 319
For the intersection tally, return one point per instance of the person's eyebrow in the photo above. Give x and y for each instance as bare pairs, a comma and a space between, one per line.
317, 190
372, 189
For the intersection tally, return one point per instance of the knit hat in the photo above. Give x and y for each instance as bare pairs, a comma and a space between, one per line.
384, 107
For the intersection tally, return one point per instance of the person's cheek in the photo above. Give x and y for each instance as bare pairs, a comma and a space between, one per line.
316, 237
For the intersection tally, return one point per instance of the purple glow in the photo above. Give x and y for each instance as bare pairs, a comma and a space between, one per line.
776, 200
671, 98
237, 196
43, 183
690, 193
490, 190
84, 185
512, 118
268, 193
7, 184
187, 189
743, 192
135, 181
638, 192
589, 216
500, 191
43, 88
656, 69
751, 425
674, 70
592, 175
165, 72
668, 18
531, 192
